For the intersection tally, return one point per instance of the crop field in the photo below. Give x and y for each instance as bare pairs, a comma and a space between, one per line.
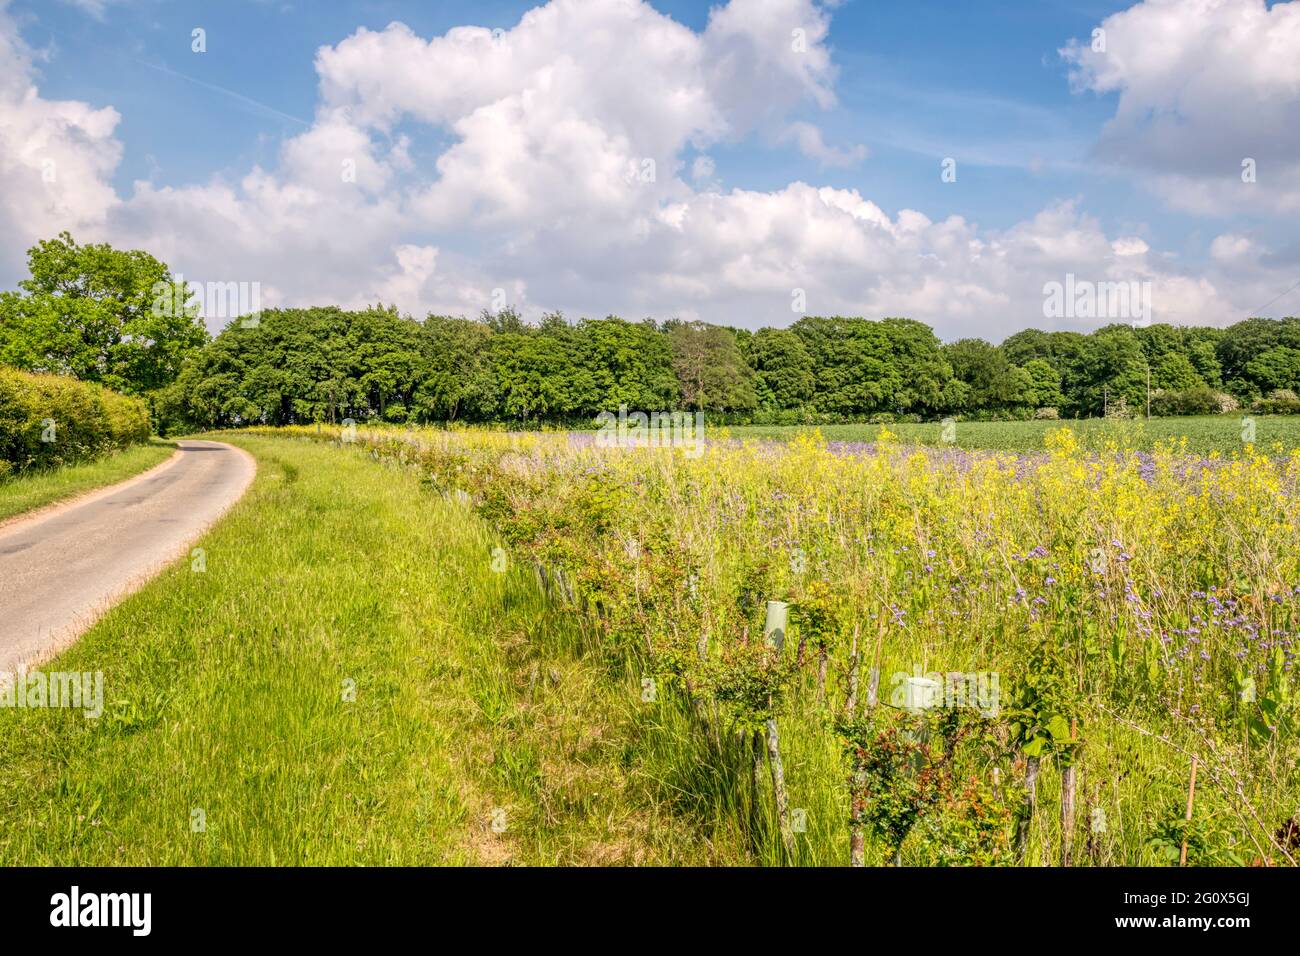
1196, 435
927, 657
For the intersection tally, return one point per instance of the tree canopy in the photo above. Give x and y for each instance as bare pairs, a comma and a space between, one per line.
121, 319
92, 312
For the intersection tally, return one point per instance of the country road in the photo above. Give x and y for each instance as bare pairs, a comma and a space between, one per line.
62, 567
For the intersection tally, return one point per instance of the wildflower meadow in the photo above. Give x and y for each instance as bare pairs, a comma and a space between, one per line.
880, 653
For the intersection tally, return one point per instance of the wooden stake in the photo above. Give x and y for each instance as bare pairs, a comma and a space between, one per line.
778, 788
1031, 804
822, 661
857, 841
851, 704
1191, 798
1068, 777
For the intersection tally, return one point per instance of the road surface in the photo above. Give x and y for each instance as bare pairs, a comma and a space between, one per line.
63, 566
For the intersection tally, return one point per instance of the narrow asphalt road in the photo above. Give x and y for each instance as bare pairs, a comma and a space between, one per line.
61, 568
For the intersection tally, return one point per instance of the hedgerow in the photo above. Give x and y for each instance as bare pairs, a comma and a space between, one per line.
47, 421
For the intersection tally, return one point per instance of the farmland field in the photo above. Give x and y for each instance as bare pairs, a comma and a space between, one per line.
1198, 435
1079, 629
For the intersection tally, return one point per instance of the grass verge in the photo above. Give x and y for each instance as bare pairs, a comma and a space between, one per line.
21, 495
352, 680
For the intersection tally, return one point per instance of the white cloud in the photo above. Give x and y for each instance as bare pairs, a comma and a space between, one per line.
809, 139
1203, 85
762, 57
1130, 246
567, 184
1229, 247
55, 155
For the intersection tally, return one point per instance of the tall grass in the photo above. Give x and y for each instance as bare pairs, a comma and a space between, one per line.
227, 702
1139, 609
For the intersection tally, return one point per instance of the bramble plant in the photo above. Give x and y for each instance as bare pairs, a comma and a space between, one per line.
897, 772
973, 826
908, 769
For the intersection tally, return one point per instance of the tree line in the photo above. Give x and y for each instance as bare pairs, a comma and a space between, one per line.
93, 312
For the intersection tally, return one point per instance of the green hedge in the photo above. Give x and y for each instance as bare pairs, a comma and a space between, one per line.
48, 420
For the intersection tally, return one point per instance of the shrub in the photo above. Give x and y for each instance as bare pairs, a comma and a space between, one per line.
1188, 401
1281, 401
1118, 409
49, 420
1226, 403
1047, 414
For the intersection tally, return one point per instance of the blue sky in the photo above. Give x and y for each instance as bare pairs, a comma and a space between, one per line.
907, 83
918, 81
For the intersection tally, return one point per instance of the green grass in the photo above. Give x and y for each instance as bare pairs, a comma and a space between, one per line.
26, 493
475, 695
225, 700
1204, 434
1136, 783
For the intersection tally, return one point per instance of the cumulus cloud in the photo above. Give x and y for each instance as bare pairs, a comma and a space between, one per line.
1208, 99
55, 155
568, 182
